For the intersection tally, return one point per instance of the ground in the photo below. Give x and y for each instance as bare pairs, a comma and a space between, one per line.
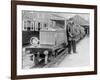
81, 58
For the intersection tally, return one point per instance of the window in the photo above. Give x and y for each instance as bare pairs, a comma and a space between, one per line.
25, 25
39, 26
45, 25
29, 25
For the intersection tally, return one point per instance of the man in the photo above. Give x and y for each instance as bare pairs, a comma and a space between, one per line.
71, 35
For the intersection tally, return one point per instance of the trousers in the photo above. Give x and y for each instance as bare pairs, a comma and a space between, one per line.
71, 46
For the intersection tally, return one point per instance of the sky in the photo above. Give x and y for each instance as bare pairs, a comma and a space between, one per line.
64, 15
68, 15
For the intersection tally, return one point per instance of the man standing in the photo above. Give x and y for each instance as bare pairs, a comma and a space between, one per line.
71, 35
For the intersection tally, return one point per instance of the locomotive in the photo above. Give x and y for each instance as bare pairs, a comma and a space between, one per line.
43, 42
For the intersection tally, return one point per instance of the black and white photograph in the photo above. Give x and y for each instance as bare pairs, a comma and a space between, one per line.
55, 39
52, 39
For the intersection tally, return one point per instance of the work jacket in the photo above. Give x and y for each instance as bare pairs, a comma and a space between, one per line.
73, 32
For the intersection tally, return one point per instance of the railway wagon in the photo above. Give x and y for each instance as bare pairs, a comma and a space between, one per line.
80, 33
